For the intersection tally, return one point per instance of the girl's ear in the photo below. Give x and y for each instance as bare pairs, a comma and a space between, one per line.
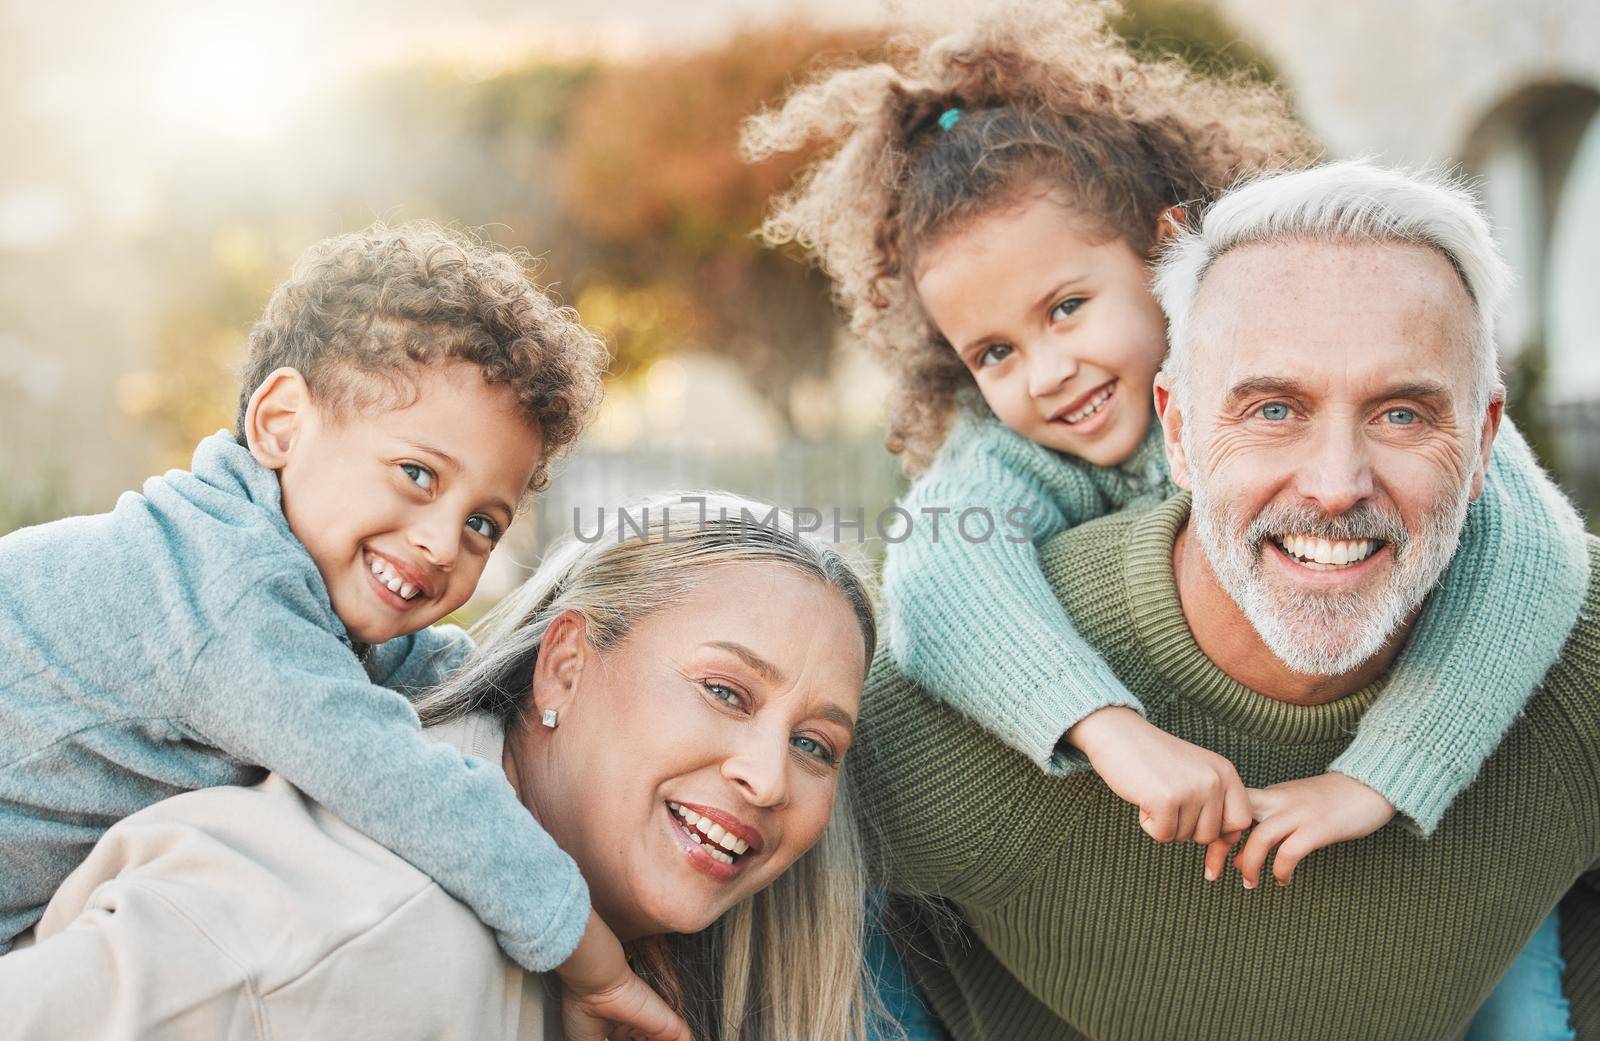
563, 653
274, 418
1169, 222
1171, 417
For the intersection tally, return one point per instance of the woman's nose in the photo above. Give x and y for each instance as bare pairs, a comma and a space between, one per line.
759, 768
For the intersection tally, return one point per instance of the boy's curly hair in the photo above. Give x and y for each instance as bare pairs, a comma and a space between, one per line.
1048, 94
362, 313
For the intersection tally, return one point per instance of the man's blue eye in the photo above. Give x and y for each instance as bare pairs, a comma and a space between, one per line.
489, 529
994, 354
1402, 416
1275, 411
1066, 308
419, 474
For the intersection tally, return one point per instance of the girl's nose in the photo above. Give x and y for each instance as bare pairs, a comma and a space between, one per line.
1050, 366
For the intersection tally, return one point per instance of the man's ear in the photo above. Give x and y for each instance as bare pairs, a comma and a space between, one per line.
564, 652
1491, 426
1171, 417
1169, 223
275, 416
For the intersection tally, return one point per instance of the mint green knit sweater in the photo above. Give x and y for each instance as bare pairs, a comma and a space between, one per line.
974, 622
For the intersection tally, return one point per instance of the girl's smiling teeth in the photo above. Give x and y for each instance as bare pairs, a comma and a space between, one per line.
721, 844
385, 573
1091, 407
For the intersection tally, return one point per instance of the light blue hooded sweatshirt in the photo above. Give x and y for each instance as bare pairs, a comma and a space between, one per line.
186, 639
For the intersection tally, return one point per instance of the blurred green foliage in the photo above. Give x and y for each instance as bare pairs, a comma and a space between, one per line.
623, 176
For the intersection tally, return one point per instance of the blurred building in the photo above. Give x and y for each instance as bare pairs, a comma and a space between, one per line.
1511, 92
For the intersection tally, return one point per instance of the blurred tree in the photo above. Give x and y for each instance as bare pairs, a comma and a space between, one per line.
652, 175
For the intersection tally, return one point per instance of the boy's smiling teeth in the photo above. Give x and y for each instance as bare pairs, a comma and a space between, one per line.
386, 574
1321, 554
709, 835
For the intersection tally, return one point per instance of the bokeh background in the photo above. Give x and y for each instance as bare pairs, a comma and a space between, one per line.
163, 161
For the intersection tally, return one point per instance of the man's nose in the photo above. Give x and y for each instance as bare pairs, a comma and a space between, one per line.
1337, 472
759, 768
1049, 366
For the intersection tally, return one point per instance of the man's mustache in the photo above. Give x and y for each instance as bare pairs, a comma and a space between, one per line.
1365, 520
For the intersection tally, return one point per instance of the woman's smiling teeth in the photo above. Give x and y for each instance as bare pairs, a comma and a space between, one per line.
1326, 555
710, 835
1093, 405
386, 574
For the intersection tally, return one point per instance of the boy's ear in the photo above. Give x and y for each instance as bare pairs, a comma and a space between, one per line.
275, 415
563, 653
1171, 417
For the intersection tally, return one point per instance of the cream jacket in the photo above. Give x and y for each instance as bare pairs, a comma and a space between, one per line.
229, 914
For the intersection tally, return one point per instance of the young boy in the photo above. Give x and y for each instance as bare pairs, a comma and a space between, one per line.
404, 391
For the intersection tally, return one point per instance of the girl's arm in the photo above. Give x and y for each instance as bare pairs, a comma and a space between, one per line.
973, 621
971, 617
1492, 629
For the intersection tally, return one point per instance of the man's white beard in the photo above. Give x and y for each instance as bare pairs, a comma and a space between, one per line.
1325, 633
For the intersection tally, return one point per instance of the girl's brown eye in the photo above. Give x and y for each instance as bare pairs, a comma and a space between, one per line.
994, 354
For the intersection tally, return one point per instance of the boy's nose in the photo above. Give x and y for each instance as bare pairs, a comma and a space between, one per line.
438, 541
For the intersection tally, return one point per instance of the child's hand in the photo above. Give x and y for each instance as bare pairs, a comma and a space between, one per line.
1183, 791
1297, 817
602, 997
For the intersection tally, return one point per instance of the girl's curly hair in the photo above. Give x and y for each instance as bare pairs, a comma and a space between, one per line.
1048, 93
363, 314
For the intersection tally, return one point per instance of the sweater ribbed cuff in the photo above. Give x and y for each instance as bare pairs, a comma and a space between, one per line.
1389, 768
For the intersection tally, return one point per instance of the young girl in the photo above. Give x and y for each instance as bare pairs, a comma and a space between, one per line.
987, 208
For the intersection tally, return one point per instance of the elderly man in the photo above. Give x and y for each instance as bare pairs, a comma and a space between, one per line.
1331, 377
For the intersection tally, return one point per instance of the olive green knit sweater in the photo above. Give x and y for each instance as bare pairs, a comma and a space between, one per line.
1067, 922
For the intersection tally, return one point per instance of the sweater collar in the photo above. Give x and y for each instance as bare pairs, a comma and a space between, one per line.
1164, 636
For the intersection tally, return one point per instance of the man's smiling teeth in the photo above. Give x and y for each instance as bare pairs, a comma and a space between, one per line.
385, 572
1092, 406
710, 835
1323, 554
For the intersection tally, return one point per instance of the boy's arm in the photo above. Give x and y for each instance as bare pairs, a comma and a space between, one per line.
279, 691
412, 664
1492, 629
973, 620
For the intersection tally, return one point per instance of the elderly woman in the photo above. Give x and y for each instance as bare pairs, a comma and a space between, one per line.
671, 700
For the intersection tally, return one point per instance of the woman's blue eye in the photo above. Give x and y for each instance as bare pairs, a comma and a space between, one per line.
811, 746
994, 354
1402, 416
1275, 411
420, 474
489, 529
726, 695
1066, 308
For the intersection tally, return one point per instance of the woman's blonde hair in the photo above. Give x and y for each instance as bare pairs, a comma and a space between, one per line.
951, 128
786, 964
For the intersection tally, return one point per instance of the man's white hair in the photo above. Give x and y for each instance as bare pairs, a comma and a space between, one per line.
1351, 201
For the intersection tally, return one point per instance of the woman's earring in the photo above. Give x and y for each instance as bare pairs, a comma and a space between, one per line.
549, 719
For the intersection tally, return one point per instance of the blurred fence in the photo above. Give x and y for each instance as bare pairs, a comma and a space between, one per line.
1575, 432
846, 479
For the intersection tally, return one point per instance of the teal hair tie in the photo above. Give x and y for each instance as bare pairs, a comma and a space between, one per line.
949, 118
